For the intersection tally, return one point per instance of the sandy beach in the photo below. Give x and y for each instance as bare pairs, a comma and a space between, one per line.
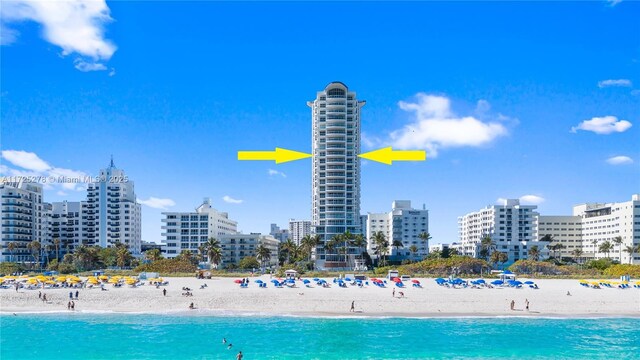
432, 300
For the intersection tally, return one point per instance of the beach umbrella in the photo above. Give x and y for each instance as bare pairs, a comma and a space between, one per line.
480, 281
306, 281
238, 281
258, 281
507, 272
529, 282
497, 282
275, 281
316, 279
399, 284
347, 279
415, 281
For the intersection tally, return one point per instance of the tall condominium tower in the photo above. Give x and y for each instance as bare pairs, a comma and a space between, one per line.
335, 192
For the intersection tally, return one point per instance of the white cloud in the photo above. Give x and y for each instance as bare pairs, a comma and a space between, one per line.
436, 126
620, 160
61, 193
157, 203
25, 160
76, 26
531, 199
524, 200
112, 72
84, 66
612, 82
603, 125
272, 172
7, 36
31, 165
230, 200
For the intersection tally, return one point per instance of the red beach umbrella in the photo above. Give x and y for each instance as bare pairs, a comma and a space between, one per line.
238, 281
415, 281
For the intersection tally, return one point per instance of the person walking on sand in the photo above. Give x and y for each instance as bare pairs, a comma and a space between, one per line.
526, 301
393, 294
239, 356
69, 305
77, 293
39, 294
164, 292
513, 304
73, 305
353, 306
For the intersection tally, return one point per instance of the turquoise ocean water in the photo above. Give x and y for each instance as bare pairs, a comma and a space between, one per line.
154, 336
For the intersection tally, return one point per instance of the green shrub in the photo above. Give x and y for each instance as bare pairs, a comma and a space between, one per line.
623, 269
249, 262
7, 268
537, 267
67, 268
600, 264
439, 266
168, 266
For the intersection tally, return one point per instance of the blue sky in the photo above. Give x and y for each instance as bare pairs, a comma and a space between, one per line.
510, 99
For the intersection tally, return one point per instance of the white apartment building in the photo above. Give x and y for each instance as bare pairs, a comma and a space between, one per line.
511, 226
189, 230
565, 230
24, 219
113, 208
73, 225
281, 235
404, 224
336, 169
604, 221
298, 229
235, 247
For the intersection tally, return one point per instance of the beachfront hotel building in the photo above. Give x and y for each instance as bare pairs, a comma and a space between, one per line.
112, 211
604, 222
281, 235
298, 229
236, 247
335, 209
189, 230
402, 224
24, 220
72, 225
563, 229
511, 226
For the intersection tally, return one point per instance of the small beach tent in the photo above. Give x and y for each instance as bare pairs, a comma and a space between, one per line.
290, 274
507, 275
392, 274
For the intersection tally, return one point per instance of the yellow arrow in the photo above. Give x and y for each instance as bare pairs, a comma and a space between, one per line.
280, 155
388, 155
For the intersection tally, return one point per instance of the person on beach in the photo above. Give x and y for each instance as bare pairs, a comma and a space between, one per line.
39, 294
568, 293
526, 301
353, 306
393, 294
70, 295
239, 356
69, 305
73, 305
164, 292
77, 293
513, 304
44, 297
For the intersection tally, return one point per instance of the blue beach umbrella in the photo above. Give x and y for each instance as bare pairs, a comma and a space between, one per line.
306, 281
316, 279
497, 282
529, 282
258, 281
480, 281
347, 279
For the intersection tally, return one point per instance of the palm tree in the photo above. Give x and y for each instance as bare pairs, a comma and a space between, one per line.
594, 243
35, 248
202, 250
499, 257
397, 244
11, 246
577, 253
631, 250
606, 248
123, 256
215, 256
263, 254
534, 252
618, 241
425, 237
290, 248
488, 244
56, 243
413, 249
153, 254
382, 245
359, 242
211, 244
308, 243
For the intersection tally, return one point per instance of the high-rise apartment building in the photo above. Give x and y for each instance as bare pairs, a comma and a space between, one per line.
336, 170
563, 229
298, 229
512, 228
24, 220
189, 230
281, 235
603, 222
113, 208
403, 225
